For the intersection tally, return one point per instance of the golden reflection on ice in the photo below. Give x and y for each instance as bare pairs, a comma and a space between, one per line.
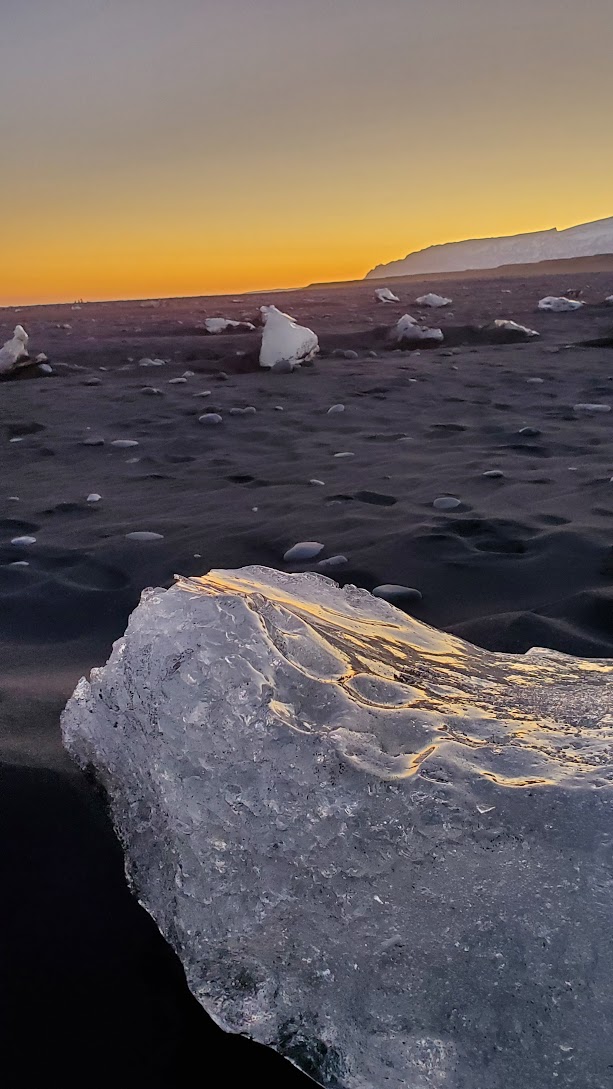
401, 695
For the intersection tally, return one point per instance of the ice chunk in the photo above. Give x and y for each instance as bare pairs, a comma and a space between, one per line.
407, 329
376, 848
384, 295
221, 325
558, 305
14, 351
283, 341
433, 300
513, 327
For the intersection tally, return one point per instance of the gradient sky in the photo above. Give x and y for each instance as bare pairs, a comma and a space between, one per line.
182, 147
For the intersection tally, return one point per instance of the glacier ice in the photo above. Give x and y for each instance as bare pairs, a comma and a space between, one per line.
221, 325
376, 848
384, 295
284, 341
508, 326
435, 301
407, 330
14, 351
559, 305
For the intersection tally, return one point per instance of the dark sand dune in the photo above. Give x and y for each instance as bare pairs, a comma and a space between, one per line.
94, 997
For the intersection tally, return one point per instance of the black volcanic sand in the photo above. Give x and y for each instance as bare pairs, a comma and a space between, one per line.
93, 995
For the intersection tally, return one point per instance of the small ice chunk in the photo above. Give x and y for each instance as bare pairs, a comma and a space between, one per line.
41, 358
221, 325
123, 444
588, 409
46, 368
284, 341
93, 497
334, 409
446, 502
14, 351
210, 418
559, 304
408, 329
513, 327
384, 295
23, 540
433, 300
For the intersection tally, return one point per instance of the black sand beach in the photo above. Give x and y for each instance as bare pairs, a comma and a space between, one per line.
93, 996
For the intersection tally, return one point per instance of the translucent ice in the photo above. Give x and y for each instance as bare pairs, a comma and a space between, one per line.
380, 850
14, 350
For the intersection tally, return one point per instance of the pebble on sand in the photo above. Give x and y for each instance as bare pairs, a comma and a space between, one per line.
211, 419
332, 562
393, 592
144, 535
304, 550
26, 541
446, 502
123, 444
588, 409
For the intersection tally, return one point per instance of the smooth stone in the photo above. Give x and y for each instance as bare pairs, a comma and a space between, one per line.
28, 541
282, 367
123, 444
334, 409
446, 502
493, 474
45, 368
93, 497
210, 418
144, 535
393, 592
331, 563
304, 550
588, 408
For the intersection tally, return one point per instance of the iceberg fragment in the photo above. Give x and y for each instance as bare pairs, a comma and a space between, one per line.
559, 305
407, 330
14, 351
384, 295
435, 301
375, 848
284, 341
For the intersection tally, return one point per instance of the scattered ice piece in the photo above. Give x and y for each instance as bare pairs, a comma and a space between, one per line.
513, 327
19, 563
17, 438
93, 497
408, 329
345, 454
393, 593
446, 502
384, 295
93, 441
152, 390
46, 368
334, 409
211, 419
482, 809
558, 305
433, 300
220, 325
494, 474
123, 444
284, 341
535, 381
144, 535
188, 374
529, 432
318, 483
203, 393
304, 550
609, 300
14, 351
23, 540
147, 362
588, 409
250, 410
176, 381
41, 358
14, 498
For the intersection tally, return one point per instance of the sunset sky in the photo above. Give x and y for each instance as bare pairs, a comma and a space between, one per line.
184, 147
